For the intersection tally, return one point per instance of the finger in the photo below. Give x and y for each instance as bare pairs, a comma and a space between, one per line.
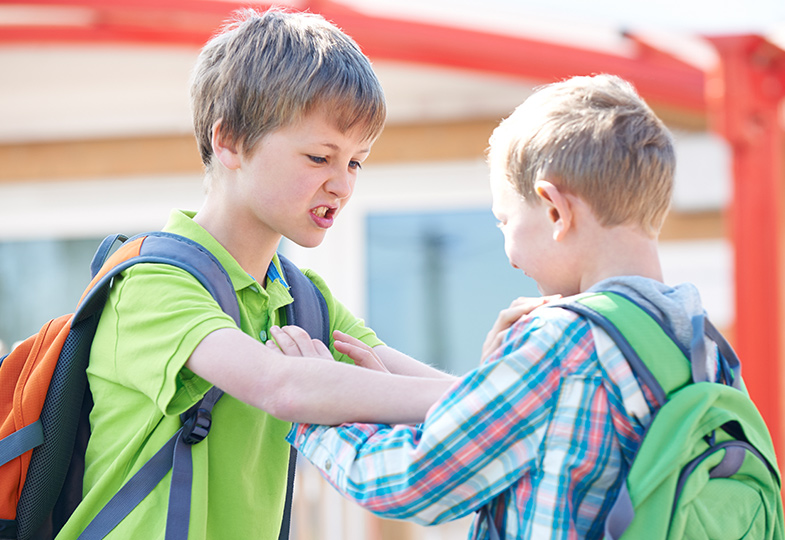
491, 343
519, 307
322, 351
361, 357
504, 320
341, 338
494, 344
286, 341
304, 342
346, 338
362, 353
306, 345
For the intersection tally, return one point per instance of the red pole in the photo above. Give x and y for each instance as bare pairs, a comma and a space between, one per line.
743, 97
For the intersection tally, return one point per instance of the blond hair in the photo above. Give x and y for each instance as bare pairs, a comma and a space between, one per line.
596, 138
265, 70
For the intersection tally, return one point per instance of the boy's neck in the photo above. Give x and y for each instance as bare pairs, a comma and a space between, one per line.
620, 251
249, 249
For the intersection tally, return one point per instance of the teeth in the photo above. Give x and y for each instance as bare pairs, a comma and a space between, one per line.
321, 211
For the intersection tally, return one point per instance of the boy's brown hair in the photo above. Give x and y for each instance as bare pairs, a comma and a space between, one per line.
596, 138
265, 70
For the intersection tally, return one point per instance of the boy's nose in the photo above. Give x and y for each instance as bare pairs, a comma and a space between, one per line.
341, 184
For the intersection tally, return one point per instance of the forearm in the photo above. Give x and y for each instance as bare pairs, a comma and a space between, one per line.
402, 364
325, 392
310, 389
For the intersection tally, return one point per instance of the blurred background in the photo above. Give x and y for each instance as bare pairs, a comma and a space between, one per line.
95, 138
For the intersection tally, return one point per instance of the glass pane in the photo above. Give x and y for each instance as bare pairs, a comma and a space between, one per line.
40, 280
437, 281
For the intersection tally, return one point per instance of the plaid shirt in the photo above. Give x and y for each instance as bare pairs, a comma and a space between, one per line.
537, 437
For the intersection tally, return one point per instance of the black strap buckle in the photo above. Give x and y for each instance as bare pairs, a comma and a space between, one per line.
197, 426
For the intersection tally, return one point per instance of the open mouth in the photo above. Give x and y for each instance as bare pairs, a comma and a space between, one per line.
323, 212
323, 216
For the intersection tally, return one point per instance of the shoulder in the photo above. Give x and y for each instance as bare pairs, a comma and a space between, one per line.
553, 332
157, 279
162, 297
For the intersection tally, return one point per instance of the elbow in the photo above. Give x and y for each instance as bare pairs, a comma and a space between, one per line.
407, 512
408, 501
284, 406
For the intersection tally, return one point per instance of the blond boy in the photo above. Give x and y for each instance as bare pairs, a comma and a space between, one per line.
538, 437
286, 109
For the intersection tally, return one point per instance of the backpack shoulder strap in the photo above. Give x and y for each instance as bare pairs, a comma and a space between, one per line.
649, 348
654, 357
162, 248
309, 311
157, 247
309, 308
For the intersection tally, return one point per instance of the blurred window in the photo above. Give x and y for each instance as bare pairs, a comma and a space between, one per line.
437, 281
40, 280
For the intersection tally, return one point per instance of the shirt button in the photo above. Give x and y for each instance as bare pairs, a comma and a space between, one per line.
263, 336
328, 465
302, 439
254, 288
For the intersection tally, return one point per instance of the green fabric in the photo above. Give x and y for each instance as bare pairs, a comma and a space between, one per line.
673, 440
155, 317
638, 327
747, 504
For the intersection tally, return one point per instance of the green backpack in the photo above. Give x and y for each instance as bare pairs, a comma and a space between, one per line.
706, 467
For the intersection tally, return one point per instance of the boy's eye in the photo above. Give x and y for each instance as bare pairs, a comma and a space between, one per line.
318, 159
355, 165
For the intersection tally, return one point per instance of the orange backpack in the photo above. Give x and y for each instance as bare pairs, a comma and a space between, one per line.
44, 402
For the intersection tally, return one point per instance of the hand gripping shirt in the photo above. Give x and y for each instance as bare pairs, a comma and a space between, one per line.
539, 435
155, 317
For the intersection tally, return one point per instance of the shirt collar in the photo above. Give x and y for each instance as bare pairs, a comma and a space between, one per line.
181, 222
274, 273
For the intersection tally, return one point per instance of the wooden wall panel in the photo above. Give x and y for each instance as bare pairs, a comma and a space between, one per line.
177, 154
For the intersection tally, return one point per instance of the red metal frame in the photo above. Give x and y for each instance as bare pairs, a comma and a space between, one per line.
660, 78
741, 98
744, 104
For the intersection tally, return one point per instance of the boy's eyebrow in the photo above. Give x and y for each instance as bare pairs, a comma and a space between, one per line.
337, 148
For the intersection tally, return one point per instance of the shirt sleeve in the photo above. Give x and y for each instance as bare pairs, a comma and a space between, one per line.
483, 435
156, 316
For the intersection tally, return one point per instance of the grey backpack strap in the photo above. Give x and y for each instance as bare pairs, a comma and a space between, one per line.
175, 455
309, 309
21, 441
484, 514
309, 312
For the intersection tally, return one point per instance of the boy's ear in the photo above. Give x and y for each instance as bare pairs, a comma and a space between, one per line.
557, 206
224, 149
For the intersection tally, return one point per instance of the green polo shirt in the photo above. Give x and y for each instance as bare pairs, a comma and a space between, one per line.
155, 317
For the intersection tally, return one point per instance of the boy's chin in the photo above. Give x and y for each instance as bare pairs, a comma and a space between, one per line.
547, 290
311, 242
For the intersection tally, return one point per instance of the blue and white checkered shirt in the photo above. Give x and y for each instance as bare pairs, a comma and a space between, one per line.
538, 436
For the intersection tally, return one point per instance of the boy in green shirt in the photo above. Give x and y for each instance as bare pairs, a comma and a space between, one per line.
286, 109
